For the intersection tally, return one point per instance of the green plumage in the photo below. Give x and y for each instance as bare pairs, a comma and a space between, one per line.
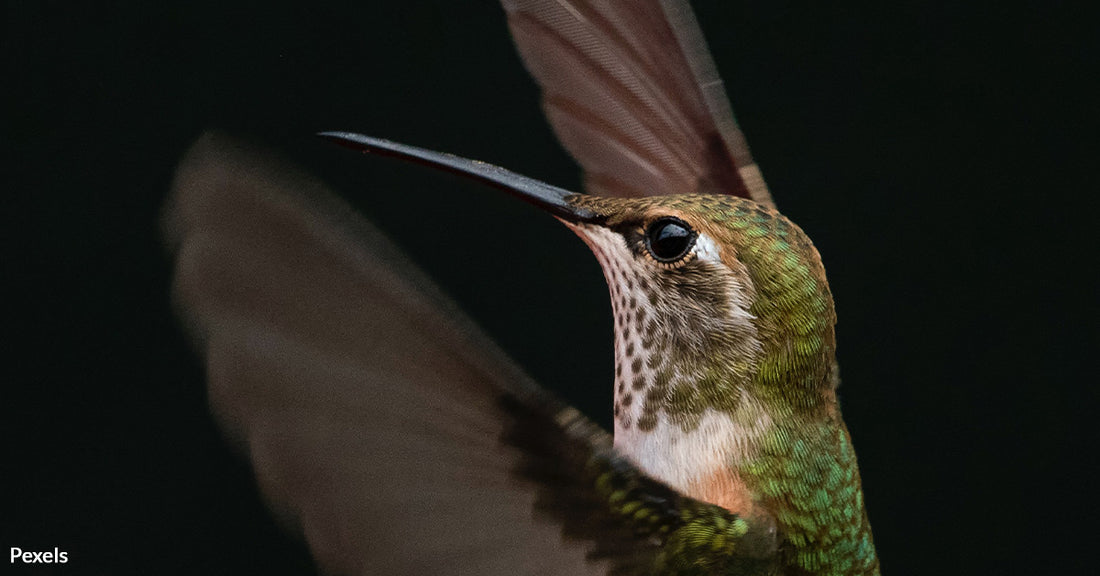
812, 486
690, 537
806, 472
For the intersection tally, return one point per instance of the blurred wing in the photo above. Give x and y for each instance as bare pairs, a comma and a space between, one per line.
378, 420
631, 91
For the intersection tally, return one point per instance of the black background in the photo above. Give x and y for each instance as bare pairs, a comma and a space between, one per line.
927, 151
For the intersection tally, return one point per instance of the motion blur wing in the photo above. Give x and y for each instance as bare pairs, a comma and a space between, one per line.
631, 91
379, 420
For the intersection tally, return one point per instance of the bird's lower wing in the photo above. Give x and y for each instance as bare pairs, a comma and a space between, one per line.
379, 421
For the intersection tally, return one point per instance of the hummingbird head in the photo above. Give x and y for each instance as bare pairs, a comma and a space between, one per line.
720, 304
723, 317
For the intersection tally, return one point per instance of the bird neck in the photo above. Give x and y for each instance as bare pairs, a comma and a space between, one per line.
804, 469
805, 474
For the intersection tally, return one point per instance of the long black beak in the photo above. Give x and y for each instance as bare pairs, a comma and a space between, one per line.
550, 198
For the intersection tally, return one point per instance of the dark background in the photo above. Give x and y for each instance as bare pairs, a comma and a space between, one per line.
928, 151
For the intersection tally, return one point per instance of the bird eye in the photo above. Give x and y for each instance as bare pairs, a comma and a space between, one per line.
669, 239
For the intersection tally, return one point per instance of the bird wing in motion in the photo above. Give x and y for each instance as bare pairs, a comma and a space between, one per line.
631, 91
378, 419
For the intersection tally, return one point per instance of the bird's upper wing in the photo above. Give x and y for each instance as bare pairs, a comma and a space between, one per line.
631, 91
378, 420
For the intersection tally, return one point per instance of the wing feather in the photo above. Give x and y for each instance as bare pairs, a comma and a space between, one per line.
631, 92
371, 410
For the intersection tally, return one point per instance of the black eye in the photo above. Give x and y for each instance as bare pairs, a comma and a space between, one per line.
669, 239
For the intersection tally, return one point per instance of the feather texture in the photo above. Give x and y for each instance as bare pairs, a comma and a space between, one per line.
632, 93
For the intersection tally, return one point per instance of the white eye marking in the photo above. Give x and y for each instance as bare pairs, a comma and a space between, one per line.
706, 248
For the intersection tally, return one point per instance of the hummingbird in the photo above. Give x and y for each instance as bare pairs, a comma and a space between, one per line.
395, 437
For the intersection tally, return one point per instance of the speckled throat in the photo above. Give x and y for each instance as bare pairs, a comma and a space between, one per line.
682, 368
